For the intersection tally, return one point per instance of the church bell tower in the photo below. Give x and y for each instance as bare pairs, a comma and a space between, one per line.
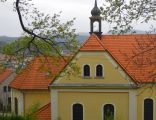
95, 21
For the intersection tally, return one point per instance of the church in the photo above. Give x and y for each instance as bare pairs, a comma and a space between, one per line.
113, 84
116, 80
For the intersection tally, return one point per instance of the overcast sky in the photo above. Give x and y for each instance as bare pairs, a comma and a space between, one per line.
79, 9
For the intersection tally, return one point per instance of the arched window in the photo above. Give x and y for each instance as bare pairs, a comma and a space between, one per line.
108, 112
77, 112
86, 71
148, 109
96, 26
99, 71
16, 106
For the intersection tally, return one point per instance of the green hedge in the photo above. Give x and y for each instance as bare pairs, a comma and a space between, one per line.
14, 117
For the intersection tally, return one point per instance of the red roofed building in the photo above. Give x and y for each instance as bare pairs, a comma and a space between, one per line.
6, 76
30, 86
116, 80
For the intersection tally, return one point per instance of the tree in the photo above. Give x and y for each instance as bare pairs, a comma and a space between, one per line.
42, 33
123, 13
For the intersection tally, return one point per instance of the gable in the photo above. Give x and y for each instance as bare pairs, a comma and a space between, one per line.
113, 73
115, 48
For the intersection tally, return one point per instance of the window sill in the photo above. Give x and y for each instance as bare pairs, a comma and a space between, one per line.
84, 77
99, 77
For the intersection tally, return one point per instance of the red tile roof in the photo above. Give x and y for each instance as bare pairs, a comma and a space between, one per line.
44, 113
39, 73
92, 44
4, 74
121, 48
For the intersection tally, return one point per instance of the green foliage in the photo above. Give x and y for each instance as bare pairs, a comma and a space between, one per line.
15, 117
33, 109
21, 51
121, 14
43, 34
23, 46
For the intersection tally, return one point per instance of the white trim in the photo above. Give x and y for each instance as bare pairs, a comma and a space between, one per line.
153, 107
98, 91
12, 101
83, 70
103, 110
57, 80
132, 105
54, 104
72, 109
103, 73
22, 104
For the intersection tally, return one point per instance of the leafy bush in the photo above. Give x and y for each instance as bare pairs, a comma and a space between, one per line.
15, 117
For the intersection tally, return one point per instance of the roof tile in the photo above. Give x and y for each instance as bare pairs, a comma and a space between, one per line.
44, 113
92, 44
39, 73
122, 47
4, 74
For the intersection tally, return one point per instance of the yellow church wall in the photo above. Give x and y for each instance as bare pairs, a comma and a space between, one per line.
34, 98
143, 93
93, 103
113, 74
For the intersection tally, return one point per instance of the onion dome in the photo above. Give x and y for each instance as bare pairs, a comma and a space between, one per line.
95, 11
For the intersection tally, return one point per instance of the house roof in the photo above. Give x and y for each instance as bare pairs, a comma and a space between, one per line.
92, 44
123, 49
39, 73
44, 113
4, 74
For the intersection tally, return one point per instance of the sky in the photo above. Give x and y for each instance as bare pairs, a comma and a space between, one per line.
79, 9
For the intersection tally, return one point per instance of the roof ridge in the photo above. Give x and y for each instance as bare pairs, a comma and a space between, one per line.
85, 42
92, 43
125, 70
99, 40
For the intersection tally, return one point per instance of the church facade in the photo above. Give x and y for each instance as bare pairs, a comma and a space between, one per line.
108, 87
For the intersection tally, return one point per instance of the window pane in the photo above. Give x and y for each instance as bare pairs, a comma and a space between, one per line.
108, 112
5, 89
9, 88
148, 109
9, 103
86, 70
16, 106
99, 71
77, 112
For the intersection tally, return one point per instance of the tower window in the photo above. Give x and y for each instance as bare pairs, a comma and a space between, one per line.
148, 109
86, 71
108, 112
96, 26
99, 71
77, 112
